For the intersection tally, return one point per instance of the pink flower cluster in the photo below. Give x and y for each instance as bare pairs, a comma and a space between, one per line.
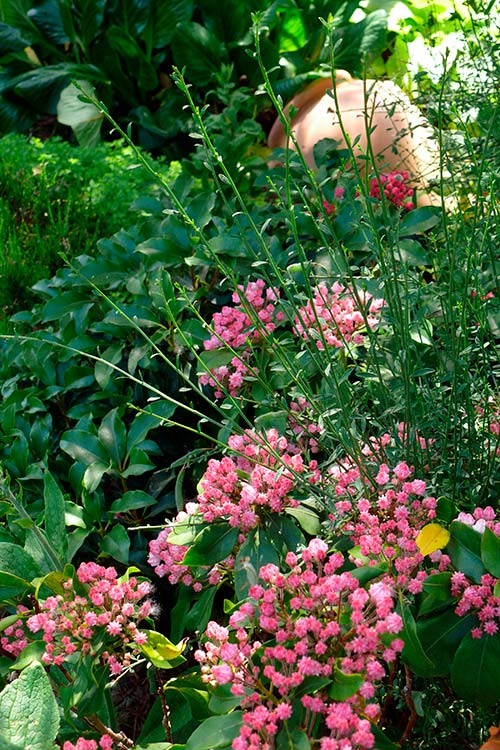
479, 599
336, 316
236, 328
105, 617
14, 638
383, 511
338, 194
395, 187
166, 559
261, 476
312, 621
105, 743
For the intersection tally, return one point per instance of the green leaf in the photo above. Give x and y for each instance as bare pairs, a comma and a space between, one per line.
161, 652
381, 741
93, 474
83, 447
12, 585
83, 117
201, 611
345, 685
17, 562
440, 637
419, 220
166, 16
464, 549
216, 732
117, 544
113, 436
412, 252
306, 518
474, 672
199, 51
213, 544
223, 700
132, 500
29, 716
292, 738
490, 552
413, 653
257, 550
55, 526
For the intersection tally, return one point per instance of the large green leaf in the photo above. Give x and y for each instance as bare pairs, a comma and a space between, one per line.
490, 552
55, 526
413, 652
29, 716
419, 220
166, 16
213, 544
47, 17
113, 436
117, 544
195, 48
11, 40
83, 447
464, 549
257, 550
474, 672
440, 637
83, 117
216, 732
14, 560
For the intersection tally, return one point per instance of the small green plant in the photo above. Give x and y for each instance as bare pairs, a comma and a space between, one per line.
57, 199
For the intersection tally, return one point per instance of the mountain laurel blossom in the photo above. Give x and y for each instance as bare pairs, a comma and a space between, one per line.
311, 621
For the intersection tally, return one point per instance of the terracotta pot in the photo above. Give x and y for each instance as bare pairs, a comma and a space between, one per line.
378, 113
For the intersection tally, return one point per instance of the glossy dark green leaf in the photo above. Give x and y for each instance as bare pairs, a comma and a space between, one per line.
440, 636
116, 544
413, 652
216, 732
257, 550
464, 549
113, 436
490, 552
132, 500
55, 526
419, 220
84, 447
201, 612
474, 672
213, 544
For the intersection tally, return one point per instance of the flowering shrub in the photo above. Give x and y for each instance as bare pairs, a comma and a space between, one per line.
234, 327
307, 650
102, 622
335, 316
262, 477
384, 517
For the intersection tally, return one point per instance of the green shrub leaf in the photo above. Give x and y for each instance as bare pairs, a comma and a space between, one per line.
29, 716
216, 732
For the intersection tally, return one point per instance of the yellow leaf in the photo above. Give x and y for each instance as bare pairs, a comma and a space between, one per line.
431, 538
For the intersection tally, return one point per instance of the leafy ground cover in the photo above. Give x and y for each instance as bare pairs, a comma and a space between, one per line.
250, 457
57, 199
